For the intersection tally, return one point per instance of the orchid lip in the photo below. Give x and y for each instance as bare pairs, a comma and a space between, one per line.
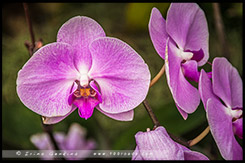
85, 98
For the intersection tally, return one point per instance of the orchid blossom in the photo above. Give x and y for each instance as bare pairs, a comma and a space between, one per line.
157, 145
222, 100
74, 140
182, 40
84, 69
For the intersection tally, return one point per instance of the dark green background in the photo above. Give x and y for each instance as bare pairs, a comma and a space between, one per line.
128, 22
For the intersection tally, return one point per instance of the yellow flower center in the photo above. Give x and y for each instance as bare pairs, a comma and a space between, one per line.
85, 92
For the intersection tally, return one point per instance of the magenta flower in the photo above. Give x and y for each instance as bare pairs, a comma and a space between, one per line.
74, 140
187, 31
84, 69
222, 99
157, 145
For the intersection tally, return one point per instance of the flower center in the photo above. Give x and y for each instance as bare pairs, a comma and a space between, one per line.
235, 114
86, 98
84, 92
185, 55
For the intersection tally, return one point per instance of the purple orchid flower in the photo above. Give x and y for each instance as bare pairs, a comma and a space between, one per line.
84, 69
157, 145
222, 99
186, 30
74, 140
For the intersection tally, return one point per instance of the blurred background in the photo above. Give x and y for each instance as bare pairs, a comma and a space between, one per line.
128, 22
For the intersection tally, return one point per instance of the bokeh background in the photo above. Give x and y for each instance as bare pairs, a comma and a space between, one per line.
128, 22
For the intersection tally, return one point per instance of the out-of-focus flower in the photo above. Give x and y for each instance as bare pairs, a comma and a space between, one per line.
74, 140
84, 69
222, 99
157, 145
182, 40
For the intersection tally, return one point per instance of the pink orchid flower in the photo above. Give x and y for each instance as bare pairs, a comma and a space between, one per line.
157, 145
223, 102
84, 69
75, 140
186, 30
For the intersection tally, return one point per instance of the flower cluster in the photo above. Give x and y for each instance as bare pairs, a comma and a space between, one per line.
182, 40
85, 69
74, 140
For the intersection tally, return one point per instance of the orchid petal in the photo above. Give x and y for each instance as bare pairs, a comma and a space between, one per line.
59, 138
121, 88
45, 81
53, 120
227, 83
205, 88
238, 127
75, 138
41, 141
182, 112
192, 155
123, 116
220, 122
190, 70
185, 95
136, 154
79, 32
187, 25
159, 144
197, 55
157, 30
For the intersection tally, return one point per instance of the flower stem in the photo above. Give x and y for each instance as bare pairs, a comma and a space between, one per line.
209, 63
151, 114
178, 140
157, 123
157, 77
199, 137
32, 45
49, 130
220, 30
